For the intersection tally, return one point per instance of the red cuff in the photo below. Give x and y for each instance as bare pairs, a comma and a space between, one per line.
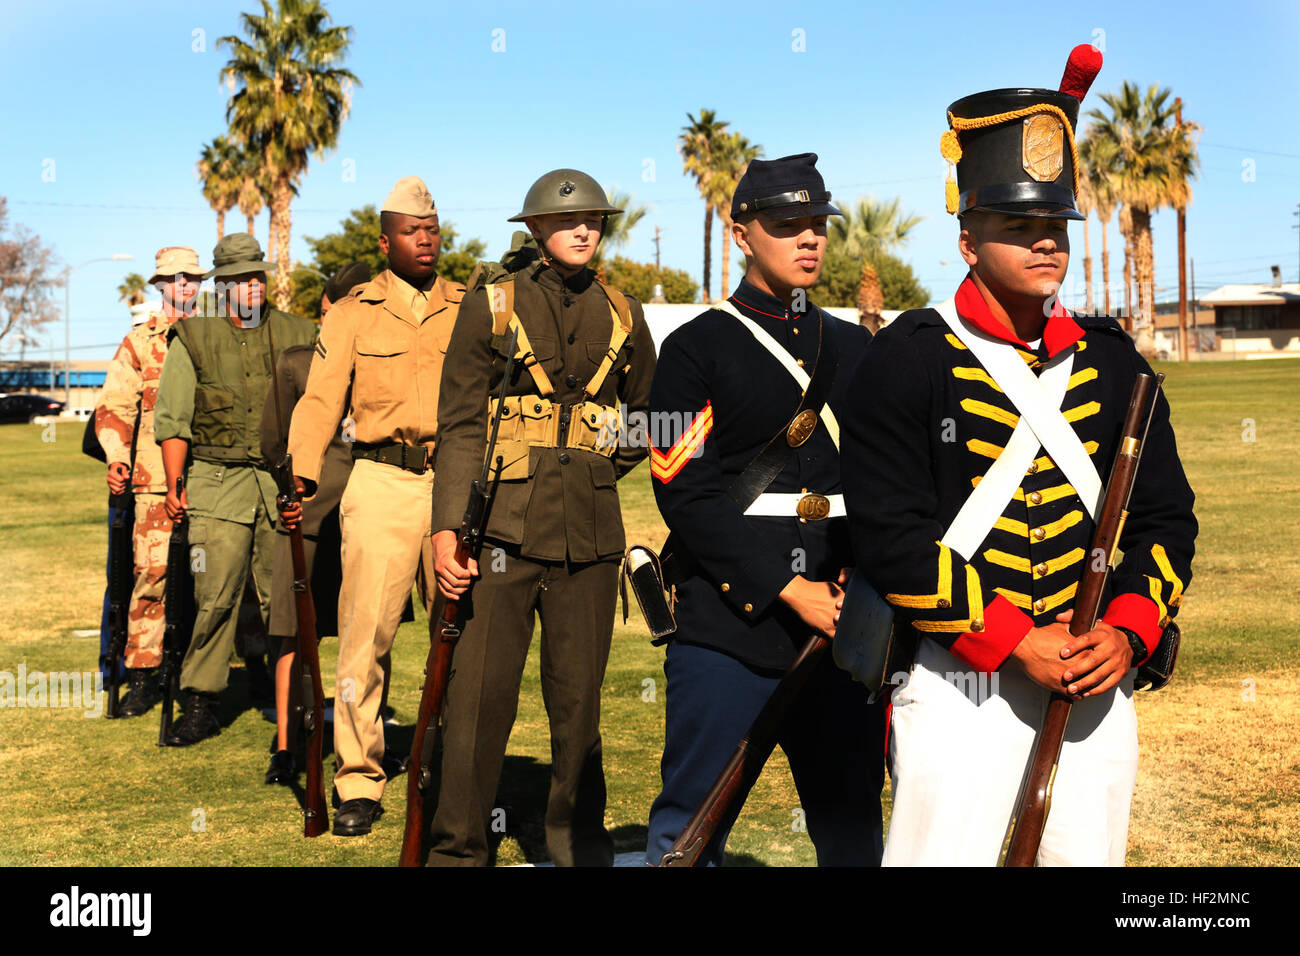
1137, 613
1005, 626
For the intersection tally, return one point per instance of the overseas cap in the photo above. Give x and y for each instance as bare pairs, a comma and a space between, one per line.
410, 197
171, 261
236, 254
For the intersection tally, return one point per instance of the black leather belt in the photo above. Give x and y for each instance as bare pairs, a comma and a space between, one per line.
413, 458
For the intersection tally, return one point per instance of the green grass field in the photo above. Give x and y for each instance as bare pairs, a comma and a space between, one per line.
1220, 760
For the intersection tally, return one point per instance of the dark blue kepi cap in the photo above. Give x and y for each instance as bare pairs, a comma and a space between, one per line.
785, 188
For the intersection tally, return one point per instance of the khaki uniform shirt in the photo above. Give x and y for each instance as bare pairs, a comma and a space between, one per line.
131, 385
568, 507
387, 341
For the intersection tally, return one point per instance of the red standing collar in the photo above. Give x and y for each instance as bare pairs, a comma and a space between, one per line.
1060, 332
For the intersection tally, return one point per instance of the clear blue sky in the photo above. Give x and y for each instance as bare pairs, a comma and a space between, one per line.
120, 102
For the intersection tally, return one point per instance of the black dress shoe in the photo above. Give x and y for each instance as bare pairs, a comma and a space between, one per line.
355, 817
392, 764
282, 770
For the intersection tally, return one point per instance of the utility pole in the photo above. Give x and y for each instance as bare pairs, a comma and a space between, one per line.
656, 248
1195, 308
1182, 260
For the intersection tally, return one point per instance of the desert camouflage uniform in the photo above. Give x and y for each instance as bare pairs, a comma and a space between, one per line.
133, 378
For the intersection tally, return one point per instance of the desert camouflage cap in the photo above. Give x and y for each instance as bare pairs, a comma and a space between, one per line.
171, 261
410, 197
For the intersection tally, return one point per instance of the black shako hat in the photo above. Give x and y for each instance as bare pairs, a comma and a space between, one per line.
1022, 166
785, 188
1014, 148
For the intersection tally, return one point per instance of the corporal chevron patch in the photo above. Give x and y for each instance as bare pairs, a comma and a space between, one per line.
665, 465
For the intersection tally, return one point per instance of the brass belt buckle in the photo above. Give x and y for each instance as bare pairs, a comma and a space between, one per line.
813, 507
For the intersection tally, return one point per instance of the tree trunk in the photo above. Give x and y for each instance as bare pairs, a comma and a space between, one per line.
279, 235
1144, 268
708, 249
725, 291
1105, 271
1087, 270
871, 299
251, 232
221, 224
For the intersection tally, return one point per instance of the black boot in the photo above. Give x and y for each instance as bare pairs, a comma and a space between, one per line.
197, 723
144, 691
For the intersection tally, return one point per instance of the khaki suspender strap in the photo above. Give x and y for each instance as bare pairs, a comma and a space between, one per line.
621, 314
503, 317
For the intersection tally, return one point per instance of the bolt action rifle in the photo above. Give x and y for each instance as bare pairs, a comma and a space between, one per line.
1036, 798
445, 625
175, 594
121, 574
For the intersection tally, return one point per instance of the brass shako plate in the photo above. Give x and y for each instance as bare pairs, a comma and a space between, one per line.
801, 429
813, 507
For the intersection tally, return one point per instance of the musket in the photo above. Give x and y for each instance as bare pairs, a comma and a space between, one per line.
727, 795
315, 816
121, 571
174, 596
1035, 800
445, 625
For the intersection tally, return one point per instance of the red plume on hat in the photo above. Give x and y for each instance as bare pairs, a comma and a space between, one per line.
1080, 70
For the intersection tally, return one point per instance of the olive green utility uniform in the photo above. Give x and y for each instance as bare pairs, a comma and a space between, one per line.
553, 542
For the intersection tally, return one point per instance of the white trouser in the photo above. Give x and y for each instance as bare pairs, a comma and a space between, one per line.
960, 744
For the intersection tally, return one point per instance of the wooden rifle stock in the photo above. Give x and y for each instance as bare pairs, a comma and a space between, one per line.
1036, 796
746, 763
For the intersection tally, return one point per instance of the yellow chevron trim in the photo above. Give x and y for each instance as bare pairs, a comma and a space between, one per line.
1045, 462
943, 592
985, 410
1015, 597
985, 448
954, 341
1155, 588
1002, 559
1065, 560
1081, 411
1029, 358
1054, 493
1061, 596
974, 593
975, 375
1081, 376
1012, 525
1024, 602
1162, 562
1068, 520
1080, 345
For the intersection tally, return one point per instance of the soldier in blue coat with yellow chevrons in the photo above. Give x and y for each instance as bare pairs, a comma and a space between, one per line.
988, 587
754, 581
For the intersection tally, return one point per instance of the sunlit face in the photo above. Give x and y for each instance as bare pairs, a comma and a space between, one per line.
569, 238
180, 292
412, 244
1024, 256
787, 253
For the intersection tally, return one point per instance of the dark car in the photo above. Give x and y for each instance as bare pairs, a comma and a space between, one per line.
25, 408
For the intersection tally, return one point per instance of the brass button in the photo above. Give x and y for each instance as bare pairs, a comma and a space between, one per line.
1035, 498
749, 609
1040, 569
1040, 606
725, 586
977, 625
1033, 468
944, 602
799, 362
795, 330
1040, 534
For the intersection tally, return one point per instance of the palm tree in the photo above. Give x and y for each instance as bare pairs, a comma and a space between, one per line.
1154, 158
291, 102
733, 155
219, 169
1096, 157
619, 228
1083, 201
697, 144
252, 187
869, 228
132, 289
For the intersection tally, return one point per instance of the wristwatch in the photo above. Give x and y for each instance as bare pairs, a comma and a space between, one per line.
1139, 648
